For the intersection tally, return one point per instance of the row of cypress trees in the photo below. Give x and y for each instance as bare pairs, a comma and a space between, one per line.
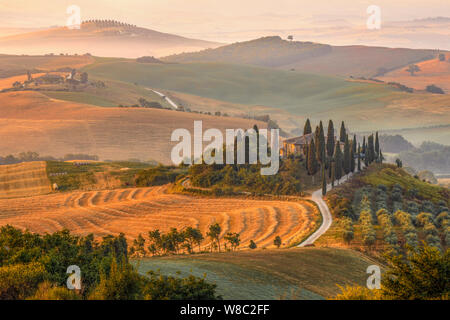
328, 155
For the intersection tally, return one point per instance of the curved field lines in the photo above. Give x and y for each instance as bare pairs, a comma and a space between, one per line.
24, 179
139, 210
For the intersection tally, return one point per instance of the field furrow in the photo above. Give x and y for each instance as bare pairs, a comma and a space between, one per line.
136, 211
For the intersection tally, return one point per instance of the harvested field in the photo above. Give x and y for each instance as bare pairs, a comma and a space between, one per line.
31, 121
139, 210
24, 179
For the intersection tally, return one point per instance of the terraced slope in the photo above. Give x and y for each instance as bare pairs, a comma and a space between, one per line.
139, 210
24, 179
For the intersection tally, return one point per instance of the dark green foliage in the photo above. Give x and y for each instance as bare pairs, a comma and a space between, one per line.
338, 162
155, 177
330, 139
277, 241
290, 179
252, 245
347, 156
311, 159
424, 273
307, 129
343, 133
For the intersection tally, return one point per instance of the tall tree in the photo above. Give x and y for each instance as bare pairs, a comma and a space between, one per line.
320, 143
352, 160
330, 139
346, 162
343, 132
377, 146
214, 233
364, 145
338, 161
307, 129
359, 158
370, 149
354, 144
312, 160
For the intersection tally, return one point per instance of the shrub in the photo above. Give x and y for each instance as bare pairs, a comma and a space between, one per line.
20, 281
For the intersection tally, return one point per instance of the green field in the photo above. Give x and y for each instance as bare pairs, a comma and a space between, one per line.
114, 93
364, 106
307, 273
84, 176
291, 91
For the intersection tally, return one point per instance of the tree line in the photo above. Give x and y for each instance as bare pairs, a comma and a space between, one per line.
188, 241
338, 157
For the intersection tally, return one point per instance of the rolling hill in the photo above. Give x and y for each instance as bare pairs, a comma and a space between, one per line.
31, 121
364, 106
297, 274
309, 57
101, 38
431, 72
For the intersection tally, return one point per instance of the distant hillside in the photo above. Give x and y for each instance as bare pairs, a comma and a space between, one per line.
435, 71
102, 38
364, 106
309, 56
31, 121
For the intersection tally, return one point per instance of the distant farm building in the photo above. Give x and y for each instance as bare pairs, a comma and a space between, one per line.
299, 145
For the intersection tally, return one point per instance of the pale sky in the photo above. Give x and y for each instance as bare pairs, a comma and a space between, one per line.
202, 17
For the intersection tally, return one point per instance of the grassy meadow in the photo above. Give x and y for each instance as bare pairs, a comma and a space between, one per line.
307, 273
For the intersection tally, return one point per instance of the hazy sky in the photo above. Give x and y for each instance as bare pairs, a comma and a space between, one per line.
203, 16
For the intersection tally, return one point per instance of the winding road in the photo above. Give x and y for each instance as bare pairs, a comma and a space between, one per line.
327, 219
169, 101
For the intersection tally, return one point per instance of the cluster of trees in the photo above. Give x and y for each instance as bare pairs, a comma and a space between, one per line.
348, 231
29, 156
184, 241
421, 274
109, 23
365, 219
429, 156
389, 234
404, 220
338, 157
231, 179
157, 176
35, 266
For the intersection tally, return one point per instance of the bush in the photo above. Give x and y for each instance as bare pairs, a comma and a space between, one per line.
434, 89
20, 281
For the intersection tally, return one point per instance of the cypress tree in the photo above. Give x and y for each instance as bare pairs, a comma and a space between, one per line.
320, 143
377, 145
359, 158
307, 129
312, 160
255, 127
346, 162
338, 162
352, 160
324, 182
343, 133
354, 144
381, 158
330, 139
370, 149
364, 145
